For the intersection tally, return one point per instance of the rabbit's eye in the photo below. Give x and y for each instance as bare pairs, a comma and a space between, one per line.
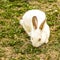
39, 39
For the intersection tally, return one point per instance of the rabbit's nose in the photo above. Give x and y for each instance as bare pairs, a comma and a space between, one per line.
35, 45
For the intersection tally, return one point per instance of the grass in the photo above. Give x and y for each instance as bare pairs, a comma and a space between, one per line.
15, 43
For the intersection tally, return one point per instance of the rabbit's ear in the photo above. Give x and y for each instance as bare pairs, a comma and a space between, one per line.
42, 25
34, 22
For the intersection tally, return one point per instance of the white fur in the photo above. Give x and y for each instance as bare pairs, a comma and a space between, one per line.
37, 34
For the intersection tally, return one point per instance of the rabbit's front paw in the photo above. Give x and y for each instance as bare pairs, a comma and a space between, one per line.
46, 41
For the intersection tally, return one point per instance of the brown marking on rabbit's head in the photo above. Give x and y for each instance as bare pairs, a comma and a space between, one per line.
42, 25
34, 22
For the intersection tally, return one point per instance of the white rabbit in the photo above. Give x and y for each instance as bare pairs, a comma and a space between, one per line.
34, 23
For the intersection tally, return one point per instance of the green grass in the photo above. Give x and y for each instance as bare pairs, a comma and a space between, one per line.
15, 43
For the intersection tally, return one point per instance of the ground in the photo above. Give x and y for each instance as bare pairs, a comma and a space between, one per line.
15, 43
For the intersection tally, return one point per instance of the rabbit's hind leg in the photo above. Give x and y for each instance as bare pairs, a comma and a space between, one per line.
21, 22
